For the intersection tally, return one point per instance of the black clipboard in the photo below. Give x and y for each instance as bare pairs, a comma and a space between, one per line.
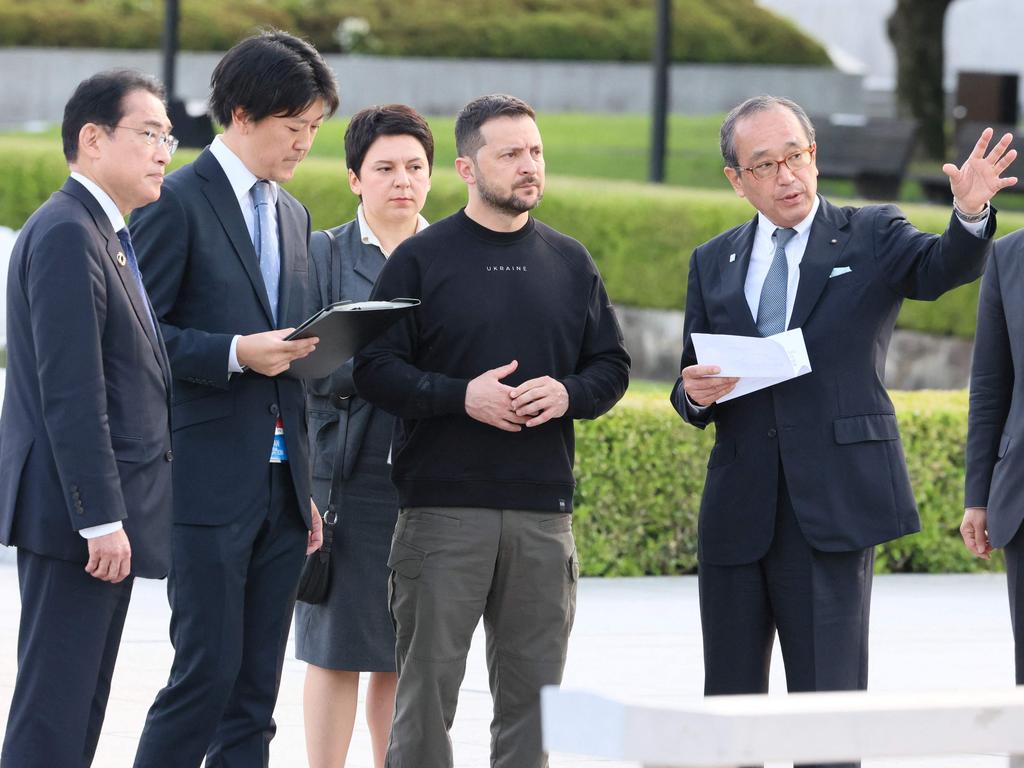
344, 328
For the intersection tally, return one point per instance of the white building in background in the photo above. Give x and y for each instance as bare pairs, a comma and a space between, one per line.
981, 35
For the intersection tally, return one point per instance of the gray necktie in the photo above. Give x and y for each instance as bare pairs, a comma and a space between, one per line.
266, 244
771, 309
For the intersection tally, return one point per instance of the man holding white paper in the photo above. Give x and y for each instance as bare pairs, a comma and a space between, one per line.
806, 476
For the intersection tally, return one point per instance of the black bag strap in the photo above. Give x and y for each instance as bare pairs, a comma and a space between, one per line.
338, 469
334, 290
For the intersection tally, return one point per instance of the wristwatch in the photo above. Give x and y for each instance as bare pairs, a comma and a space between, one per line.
969, 218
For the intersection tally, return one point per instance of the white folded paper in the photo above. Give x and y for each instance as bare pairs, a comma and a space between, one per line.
757, 362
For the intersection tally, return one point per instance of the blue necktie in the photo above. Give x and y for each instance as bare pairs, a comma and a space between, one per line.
133, 265
265, 242
771, 308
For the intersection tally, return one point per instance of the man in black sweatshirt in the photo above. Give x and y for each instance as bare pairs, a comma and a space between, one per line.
515, 338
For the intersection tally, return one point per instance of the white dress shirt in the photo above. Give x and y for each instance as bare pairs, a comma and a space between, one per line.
763, 252
241, 180
369, 238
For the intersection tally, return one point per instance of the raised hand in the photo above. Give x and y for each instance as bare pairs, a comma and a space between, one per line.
980, 177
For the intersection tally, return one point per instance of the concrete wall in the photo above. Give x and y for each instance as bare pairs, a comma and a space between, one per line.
654, 339
36, 82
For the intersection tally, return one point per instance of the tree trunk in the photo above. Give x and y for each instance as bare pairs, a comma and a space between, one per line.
916, 31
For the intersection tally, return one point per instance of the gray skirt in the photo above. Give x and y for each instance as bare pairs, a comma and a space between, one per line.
352, 629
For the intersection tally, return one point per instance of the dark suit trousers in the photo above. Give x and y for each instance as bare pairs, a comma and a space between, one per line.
232, 589
68, 638
817, 601
1014, 552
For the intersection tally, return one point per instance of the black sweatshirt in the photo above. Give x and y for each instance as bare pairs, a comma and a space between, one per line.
533, 295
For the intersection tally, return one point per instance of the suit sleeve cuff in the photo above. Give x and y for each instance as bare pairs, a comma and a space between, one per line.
450, 396
976, 228
96, 531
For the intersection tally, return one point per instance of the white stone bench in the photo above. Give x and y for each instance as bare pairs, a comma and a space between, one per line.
724, 731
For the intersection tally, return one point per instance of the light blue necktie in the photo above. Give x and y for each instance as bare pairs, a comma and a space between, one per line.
771, 309
266, 244
133, 265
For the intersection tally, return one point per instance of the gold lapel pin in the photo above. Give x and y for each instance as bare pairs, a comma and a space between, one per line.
121, 259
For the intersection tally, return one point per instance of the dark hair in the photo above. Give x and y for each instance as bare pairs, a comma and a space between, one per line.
471, 118
369, 124
100, 100
749, 107
272, 73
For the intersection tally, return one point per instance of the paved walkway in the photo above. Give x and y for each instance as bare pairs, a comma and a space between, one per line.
634, 638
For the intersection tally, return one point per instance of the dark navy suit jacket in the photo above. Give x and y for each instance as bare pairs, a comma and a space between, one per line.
834, 430
995, 427
84, 434
203, 276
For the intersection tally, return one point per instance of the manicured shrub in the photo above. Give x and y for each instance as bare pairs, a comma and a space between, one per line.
640, 468
640, 472
641, 235
736, 31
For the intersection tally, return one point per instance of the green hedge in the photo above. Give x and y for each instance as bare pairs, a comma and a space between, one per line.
616, 30
641, 235
640, 468
640, 473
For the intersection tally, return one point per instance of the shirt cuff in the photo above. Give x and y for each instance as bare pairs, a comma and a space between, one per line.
976, 228
233, 366
96, 531
693, 406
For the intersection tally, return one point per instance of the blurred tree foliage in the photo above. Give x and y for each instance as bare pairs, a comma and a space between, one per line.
714, 31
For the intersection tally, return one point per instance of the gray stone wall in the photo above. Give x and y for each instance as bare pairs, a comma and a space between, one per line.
654, 338
36, 82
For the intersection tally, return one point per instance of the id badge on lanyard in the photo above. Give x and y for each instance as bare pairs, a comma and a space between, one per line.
279, 451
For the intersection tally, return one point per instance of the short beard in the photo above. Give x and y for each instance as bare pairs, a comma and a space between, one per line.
509, 204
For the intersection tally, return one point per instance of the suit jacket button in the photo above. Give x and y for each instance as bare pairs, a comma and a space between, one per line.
169, 456
772, 432
274, 410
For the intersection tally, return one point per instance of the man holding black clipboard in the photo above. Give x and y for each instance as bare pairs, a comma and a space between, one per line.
225, 258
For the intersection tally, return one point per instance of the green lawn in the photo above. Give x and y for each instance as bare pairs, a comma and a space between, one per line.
612, 146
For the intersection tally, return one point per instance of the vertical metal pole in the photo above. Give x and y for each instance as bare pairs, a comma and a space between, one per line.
659, 108
170, 45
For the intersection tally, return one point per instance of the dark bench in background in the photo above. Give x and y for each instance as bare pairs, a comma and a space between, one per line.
872, 152
936, 185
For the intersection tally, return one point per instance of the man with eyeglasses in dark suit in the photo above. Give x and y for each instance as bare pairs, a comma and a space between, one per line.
85, 444
807, 476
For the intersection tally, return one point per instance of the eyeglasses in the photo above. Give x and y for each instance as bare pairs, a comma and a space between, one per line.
165, 140
795, 161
